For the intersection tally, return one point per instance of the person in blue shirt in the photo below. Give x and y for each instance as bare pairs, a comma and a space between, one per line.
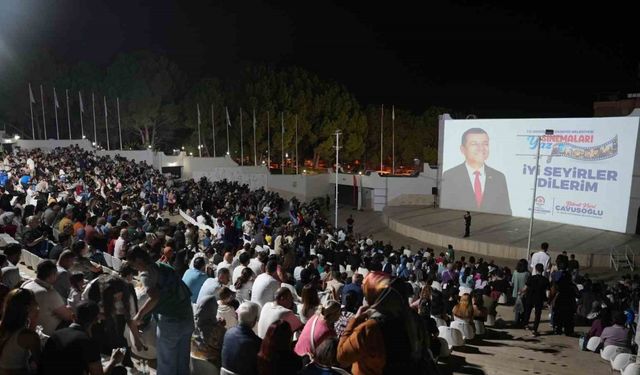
195, 277
3, 178
355, 287
24, 181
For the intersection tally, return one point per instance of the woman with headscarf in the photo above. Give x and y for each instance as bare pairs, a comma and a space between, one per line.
208, 335
388, 337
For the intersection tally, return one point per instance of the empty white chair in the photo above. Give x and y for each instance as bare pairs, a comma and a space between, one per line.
479, 324
491, 320
465, 328
503, 299
622, 360
611, 351
117, 263
108, 259
445, 351
439, 321
452, 336
632, 369
593, 343
199, 366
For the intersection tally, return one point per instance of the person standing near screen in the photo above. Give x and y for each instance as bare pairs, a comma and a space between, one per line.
467, 223
473, 184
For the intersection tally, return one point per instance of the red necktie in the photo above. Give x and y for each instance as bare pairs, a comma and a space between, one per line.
477, 188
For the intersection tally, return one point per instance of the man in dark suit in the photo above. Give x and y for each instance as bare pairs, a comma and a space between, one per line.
473, 185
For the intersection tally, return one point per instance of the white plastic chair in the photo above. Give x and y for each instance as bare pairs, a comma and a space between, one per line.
632, 369
439, 321
445, 351
503, 299
622, 360
199, 366
224, 371
452, 336
611, 351
479, 324
491, 320
117, 263
108, 259
593, 343
465, 328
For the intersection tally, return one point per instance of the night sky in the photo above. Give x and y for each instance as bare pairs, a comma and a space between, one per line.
491, 60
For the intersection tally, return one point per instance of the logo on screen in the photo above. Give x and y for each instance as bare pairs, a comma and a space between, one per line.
540, 200
541, 205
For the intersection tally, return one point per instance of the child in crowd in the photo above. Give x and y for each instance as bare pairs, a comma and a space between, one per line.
77, 286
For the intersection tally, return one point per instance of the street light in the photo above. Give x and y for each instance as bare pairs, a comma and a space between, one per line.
535, 188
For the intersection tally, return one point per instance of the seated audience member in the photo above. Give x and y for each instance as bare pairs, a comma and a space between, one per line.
617, 334
325, 360
280, 308
318, 328
226, 308
53, 309
241, 345
276, 356
72, 351
208, 335
195, 277
19, 343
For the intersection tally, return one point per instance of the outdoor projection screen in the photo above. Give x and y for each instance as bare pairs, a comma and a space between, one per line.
585, 172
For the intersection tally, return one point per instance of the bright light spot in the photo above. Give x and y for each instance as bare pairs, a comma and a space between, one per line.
173, 164
304, 171
93, 143
286, 154
16, 137
84, 136
149, 146
227, 152
191, 154
360, 173
182, 148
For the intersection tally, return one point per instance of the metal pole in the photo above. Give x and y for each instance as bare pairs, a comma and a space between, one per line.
533, 199
393, 139
55, 110
44, 121
228, 126
68, 112
33, 129
119, 125
255, 153
381, 134
95, 132
297, 163
282, 138
199, 138
81, 111
241, 141
213, 131
337, 171
268, 143
106, 122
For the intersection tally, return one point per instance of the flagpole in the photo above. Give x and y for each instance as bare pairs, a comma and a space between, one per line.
228, 126
381, 134
55, 110
31, 101
119, 125
268, 143
106, 123
255, 153
213, 131
282, 138
81, 112
44, 121
95, 132
393, 139
66, 91
297, 163
241, 141
199, 138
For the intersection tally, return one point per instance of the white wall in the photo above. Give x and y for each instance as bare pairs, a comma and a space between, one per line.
28, 144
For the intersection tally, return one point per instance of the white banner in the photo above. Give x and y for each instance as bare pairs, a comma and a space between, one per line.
585, 175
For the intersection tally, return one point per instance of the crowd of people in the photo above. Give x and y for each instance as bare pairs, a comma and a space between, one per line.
250, 284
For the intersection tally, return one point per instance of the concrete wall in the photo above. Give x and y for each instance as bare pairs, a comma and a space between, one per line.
27, 144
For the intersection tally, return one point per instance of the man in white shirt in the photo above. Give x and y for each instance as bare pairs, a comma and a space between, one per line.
541, 257
120, 248
244, 259
280, 308
211, 286
227, 262
266, 285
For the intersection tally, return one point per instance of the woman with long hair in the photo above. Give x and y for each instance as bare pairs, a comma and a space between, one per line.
276, 356
464, 309
518, 281
310, 302
244, 284
19, 343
